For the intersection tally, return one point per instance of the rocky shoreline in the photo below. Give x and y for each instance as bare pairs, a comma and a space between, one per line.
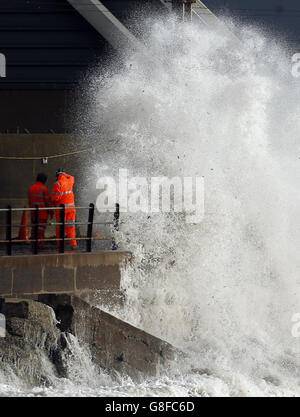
32, 340
36, 347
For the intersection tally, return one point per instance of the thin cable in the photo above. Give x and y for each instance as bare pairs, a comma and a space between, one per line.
46, 157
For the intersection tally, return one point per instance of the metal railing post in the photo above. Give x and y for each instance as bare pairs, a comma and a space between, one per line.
90, 228
62, 229
35, 230
116, 225
35, 225
187, 10
8, 230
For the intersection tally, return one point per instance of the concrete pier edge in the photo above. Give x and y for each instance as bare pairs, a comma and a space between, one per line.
71, 273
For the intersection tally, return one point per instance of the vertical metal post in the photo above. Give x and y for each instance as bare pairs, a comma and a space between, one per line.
36, 230
116, 225
187, 10
90, 228
8, 230
62, 229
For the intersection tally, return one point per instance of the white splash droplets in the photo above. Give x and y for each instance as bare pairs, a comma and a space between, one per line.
205, 105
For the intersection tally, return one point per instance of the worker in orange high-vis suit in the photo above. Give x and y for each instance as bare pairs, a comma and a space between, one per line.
62, 193
38, 196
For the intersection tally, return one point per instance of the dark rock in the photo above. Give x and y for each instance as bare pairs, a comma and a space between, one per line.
31, 339
15, 310
56, 357
114, 344
38, 333
15, 326
120, 358
62, 307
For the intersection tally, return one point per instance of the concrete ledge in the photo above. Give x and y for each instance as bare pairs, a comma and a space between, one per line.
113, 343
73, 273
66, 259
110, 299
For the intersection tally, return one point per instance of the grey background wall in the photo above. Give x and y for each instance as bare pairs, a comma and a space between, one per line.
16, 176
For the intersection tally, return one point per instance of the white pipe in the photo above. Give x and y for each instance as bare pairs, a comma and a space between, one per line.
105, 23
2, 66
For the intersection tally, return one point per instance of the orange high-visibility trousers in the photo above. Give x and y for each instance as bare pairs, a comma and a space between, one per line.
70, 215
41, 230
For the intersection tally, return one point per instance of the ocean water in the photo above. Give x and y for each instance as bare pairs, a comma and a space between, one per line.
197, 102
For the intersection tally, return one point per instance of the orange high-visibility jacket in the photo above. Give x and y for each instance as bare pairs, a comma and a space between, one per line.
38, 196
62, 191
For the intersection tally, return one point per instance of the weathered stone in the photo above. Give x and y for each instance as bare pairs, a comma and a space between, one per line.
20, 309
5, 281
56, 356
30, 310
54, 300
31, 340
34, 336
27, 280
58, 279
62, 307
30, 275
66, 260
113, 343
98, 277
108, 298
15, 326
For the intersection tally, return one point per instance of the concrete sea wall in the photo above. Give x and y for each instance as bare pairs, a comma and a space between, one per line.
45, 297
60, 273
113, 343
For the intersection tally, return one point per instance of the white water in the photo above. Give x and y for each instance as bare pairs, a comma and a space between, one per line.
224, 290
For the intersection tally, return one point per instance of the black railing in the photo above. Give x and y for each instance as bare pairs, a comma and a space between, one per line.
62, 230
35, 240
36, 230
116, 225
90, 228
8, 230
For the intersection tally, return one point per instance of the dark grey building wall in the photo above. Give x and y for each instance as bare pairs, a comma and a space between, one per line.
50, 50
47, 44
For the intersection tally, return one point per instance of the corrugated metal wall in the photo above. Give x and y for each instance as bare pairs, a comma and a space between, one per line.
50, 49
47, 44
